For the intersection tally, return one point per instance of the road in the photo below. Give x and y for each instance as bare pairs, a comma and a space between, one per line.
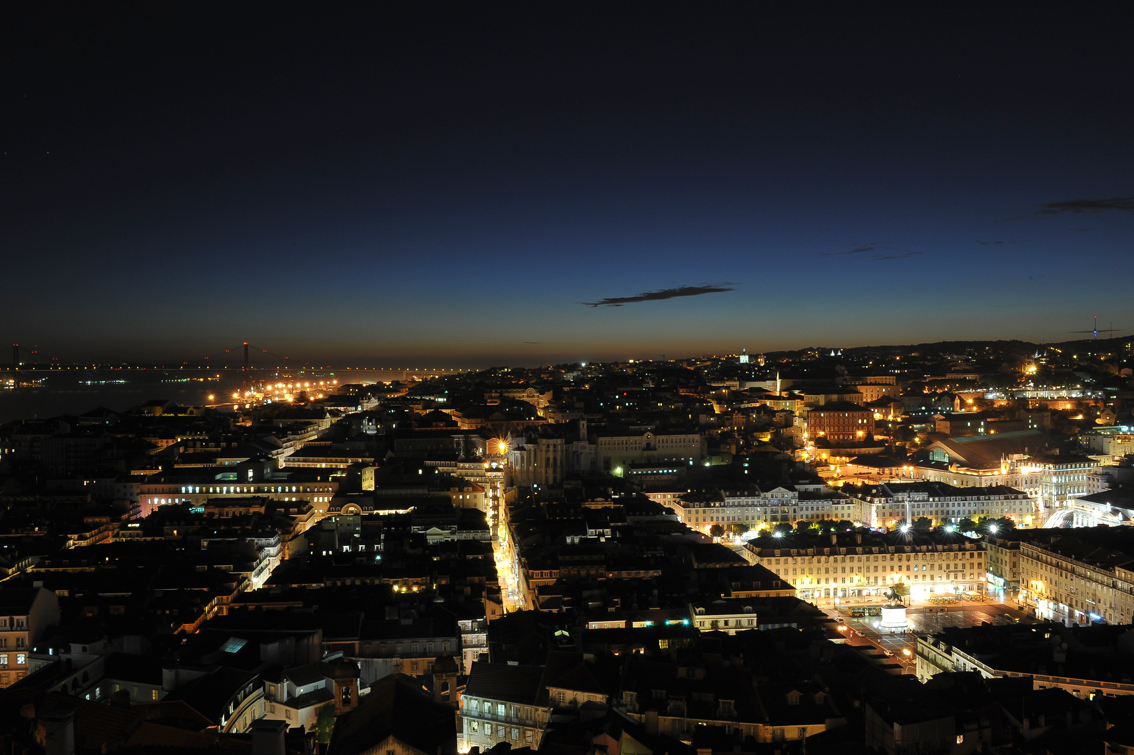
1057, 519
868, 630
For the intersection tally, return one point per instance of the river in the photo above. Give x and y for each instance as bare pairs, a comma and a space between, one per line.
78, 391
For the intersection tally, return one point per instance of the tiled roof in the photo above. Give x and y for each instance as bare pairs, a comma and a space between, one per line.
501, 681
396, 708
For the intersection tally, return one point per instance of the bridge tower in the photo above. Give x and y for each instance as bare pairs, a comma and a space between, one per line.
245, 369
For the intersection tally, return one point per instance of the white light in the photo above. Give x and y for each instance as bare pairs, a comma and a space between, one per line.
905, 528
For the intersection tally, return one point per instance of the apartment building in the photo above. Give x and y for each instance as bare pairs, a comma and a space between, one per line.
24, 616
501, 703
940, 502
866, 564
199, 485
1084, 576
841, 422
758, 509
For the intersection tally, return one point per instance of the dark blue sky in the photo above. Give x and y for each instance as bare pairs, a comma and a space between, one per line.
454, 183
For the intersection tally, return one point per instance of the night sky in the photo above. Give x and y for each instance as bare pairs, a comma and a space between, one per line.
480, 183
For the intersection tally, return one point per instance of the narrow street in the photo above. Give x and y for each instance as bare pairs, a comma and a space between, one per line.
502, 550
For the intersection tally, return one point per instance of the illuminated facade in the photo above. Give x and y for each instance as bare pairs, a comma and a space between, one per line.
893, 503
864, 565
758, 509
841, 422
1080, 578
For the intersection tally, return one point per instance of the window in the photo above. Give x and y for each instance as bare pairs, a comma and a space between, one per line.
154, 694
515, 734
3, 659
501, 731
474, 726
500, 711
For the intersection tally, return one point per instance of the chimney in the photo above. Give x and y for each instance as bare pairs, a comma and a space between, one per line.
268, 737
59, 730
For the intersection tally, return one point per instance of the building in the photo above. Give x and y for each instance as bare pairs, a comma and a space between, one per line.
728, 615
295, 695
396, 717
753, 508
1084, 662
983, 461
1108, 444
863, 564
841, 422
24, 616
502, 703
940, 502
252, 479
1083, 576
1063, 478
1111, 508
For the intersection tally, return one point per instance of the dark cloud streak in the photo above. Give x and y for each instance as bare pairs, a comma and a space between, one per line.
872, 246
660, 295
1081, 206
901, 256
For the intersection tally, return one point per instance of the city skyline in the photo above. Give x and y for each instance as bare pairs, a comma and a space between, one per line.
447, 185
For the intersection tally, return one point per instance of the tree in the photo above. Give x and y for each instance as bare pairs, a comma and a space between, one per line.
982, 523
783, 528
716, 530
844, 524
904, 434
803, 526
1001, 526
966, 525
325, 724
922, 523
739, 529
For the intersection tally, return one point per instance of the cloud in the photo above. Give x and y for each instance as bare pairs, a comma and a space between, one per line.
665, 293
872, 246
998, 243
901, 256
1080, 206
